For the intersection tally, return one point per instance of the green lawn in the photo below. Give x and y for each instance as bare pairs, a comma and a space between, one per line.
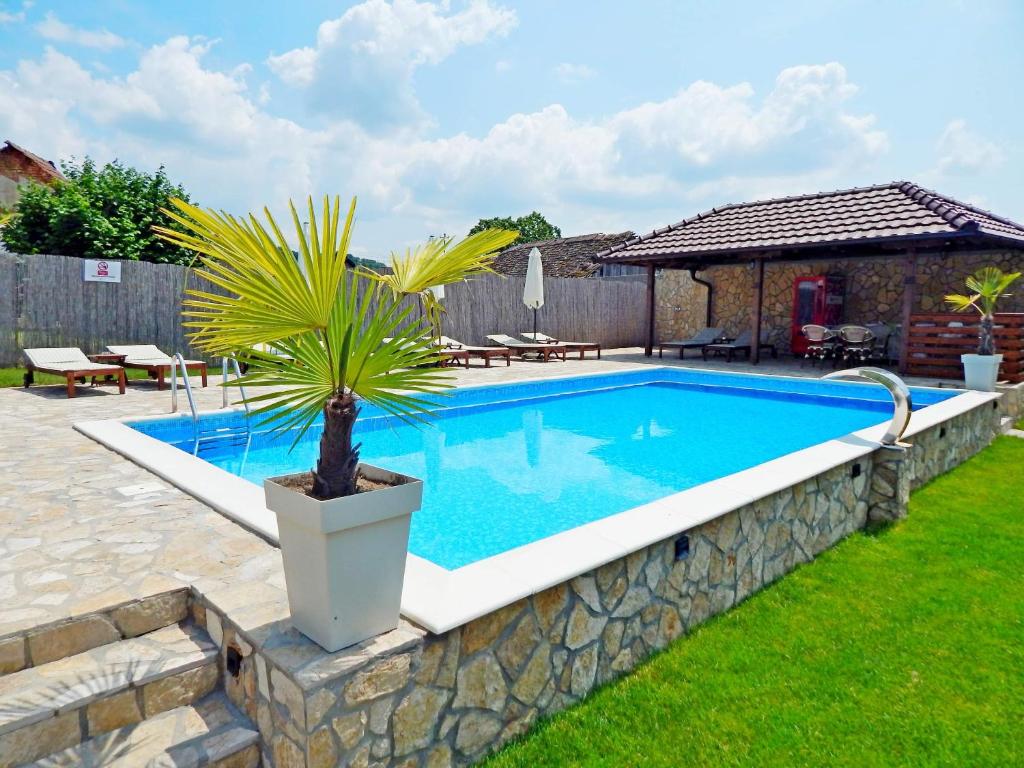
905, 647
12, 377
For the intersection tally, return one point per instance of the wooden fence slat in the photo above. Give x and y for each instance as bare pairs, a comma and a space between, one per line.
935, 346
60, 309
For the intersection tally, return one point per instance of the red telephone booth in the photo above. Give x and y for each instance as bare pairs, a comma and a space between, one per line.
817, 300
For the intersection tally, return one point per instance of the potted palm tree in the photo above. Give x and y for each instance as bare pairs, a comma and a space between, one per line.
342, 340
987, 286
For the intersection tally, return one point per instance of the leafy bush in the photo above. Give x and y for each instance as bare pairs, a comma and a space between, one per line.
98, 213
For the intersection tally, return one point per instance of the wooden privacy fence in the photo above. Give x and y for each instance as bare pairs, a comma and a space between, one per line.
936, 342
44, 302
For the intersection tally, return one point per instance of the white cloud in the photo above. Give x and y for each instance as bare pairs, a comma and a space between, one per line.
53, 28
635, 168
963, 152
11, 17
573, 73
362, 65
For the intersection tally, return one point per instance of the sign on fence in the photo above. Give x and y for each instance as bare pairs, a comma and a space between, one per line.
101, 271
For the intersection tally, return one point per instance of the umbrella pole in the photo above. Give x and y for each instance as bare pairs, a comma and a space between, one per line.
534, 323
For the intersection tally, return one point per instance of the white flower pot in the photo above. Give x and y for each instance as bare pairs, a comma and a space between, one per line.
344, 559
981, 371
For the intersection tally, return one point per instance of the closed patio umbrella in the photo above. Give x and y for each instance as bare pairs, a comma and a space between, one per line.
533, 292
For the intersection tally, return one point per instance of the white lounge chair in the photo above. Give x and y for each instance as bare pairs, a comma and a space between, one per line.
72, 364
521, 348
153, 360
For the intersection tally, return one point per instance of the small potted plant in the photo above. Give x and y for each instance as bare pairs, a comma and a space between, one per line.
342, 340
987, 286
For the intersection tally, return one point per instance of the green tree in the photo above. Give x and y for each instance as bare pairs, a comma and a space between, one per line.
531, 228
98, 213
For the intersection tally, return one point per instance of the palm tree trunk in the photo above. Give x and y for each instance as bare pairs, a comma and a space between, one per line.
986, 336
335, 473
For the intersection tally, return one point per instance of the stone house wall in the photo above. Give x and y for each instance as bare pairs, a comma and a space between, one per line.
411, 699
874, 292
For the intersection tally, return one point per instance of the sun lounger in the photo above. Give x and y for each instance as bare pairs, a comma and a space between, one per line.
149, 358
740, 344
72, 364
699, 340
484, 353
543, 351
581, 346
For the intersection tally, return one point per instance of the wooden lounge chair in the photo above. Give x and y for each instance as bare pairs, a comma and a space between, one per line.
698, 341
581, 346
72, 364
543, 351
484, 353
149, 358
740, 344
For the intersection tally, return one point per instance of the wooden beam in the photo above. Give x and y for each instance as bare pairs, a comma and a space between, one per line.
909, 297
649, 348
757, 305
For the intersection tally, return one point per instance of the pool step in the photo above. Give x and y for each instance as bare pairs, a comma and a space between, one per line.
221, 440
62, 703
58, 640
209, 733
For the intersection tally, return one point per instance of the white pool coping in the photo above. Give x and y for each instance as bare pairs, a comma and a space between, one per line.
439, 599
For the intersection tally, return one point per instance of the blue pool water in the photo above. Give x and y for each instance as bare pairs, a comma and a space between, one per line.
506, 465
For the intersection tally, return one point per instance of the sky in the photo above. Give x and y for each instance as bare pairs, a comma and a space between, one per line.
603, 116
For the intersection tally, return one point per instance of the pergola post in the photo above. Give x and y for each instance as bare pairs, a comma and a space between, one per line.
909, 297
755, 312
649, 348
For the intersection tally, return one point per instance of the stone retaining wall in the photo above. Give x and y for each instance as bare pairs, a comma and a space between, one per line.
874, 292
411, 699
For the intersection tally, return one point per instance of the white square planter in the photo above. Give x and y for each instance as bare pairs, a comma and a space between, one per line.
981, 371
344, 559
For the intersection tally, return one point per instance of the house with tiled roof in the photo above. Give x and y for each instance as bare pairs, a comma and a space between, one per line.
19, 166
562, 257
894, 250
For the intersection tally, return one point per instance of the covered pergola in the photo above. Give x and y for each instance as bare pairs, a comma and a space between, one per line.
896, 220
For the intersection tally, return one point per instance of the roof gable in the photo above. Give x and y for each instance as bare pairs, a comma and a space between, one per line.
893, 211
30, 164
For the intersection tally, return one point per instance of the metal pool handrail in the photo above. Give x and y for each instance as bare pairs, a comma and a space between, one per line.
902, 402
179, 360
224, 382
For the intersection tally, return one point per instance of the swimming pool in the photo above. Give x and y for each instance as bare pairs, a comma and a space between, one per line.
505, 466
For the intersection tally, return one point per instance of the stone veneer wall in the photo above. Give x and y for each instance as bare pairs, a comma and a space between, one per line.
411, 699
874, 292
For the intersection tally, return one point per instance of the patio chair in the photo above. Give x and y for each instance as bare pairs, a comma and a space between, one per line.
484, 353
741, 343
857, 343
880, 348
543, 351
72, 364
149, 358
698, 341
821, 343
581, 346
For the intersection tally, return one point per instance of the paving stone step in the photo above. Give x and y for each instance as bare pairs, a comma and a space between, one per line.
209, 733
63, 703
77, 634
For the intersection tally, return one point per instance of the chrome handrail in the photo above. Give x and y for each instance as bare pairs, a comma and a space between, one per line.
179, 360
902, 401
224, 382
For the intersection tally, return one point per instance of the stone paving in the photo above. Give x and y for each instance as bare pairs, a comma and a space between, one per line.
84, 529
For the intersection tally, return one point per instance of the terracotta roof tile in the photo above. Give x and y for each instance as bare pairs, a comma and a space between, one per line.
886, 211
562, 257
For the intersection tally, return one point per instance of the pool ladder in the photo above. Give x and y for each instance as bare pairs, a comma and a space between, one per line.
212, 436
